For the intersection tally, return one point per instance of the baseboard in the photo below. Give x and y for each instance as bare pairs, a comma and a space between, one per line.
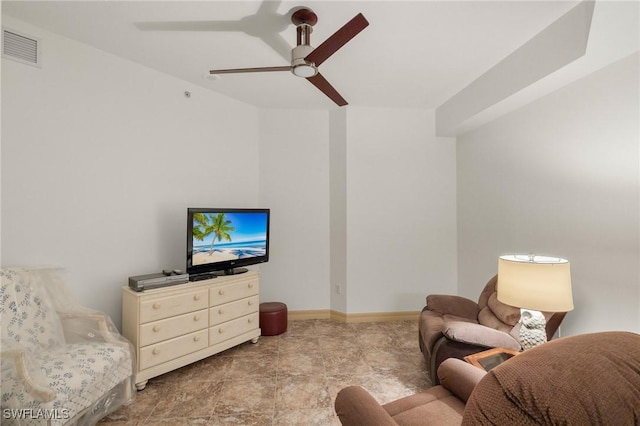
309, 314
360, 317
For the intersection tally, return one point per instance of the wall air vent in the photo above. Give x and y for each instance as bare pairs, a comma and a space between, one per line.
20, 47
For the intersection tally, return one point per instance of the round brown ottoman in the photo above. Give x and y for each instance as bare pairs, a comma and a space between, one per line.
273, 318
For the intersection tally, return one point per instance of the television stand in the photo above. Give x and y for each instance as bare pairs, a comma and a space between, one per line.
232, 271
216, 274
200, 277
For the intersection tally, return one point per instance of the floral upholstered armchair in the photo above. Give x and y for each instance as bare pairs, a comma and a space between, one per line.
61, 363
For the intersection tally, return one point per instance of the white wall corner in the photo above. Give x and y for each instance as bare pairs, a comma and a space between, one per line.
562, 42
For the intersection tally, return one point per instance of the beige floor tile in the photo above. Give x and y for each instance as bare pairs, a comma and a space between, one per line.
267, 346
188, 399
179, 421
306, 417
244, 419
346, 360
247, 396
290, 379
298, 392
293, 363
299, 344
253, 367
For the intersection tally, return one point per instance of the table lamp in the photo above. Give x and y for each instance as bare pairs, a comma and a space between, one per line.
533, 284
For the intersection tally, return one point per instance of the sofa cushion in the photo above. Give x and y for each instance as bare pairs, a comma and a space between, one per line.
585, 379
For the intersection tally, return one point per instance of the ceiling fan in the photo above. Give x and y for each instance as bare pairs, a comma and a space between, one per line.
305, 60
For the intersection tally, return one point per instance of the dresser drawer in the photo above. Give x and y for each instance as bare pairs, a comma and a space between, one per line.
231, 310
157, 331
233, 328
174, 348
231, 292
152, 309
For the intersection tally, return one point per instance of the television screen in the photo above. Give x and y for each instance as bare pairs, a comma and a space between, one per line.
223, 239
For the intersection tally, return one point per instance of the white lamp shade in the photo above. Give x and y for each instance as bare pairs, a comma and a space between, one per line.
535, 282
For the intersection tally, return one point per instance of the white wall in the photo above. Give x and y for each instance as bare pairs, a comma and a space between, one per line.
560, 177
294, 184
363, 198
101, 158
338, 208
401, 210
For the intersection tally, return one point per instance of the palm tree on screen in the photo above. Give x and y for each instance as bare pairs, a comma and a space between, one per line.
217, 225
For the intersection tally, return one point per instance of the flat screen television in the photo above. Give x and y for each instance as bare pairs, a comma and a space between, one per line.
221, 241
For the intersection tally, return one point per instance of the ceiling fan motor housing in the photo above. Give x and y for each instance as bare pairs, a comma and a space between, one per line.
299, 66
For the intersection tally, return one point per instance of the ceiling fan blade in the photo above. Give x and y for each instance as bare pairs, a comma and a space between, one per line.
338, 39
321, 83
241, 70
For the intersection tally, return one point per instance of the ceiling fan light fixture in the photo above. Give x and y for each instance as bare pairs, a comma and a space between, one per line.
305, 59
304, 70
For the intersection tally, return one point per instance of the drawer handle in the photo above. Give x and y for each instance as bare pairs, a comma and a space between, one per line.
156, 328
250, 302
220, 330
250, 285
156, 351
156, 306
220, 311
250, 320
196, 297
196, 318
196, 338
221, 292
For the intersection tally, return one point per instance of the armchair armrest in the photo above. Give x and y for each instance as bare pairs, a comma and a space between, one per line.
459, 377
39, 392
453, 305
355, 406
477, 334
97, 318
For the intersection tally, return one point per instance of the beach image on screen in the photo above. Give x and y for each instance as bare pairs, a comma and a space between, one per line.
227, 236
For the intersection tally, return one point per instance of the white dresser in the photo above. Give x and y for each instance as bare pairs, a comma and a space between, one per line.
174, 326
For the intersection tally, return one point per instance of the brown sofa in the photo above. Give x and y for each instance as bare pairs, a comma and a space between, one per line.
579, 380
454, 327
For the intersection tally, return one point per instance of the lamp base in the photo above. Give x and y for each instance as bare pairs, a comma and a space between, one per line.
532, 329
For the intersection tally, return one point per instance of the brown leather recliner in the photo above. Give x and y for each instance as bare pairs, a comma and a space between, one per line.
439, 405
454, 327
578, 380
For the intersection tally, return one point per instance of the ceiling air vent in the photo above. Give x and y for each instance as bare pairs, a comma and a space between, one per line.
20, 47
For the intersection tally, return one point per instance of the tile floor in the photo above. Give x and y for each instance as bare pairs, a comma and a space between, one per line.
290, 379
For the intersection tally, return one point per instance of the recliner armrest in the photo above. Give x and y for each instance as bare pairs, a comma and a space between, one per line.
355, 406
477, 334
459, 377
453, 305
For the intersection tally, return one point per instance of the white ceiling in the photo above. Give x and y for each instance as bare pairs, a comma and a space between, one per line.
414, 54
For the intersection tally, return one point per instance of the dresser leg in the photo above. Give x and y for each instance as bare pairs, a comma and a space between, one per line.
141, 385
255, 340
